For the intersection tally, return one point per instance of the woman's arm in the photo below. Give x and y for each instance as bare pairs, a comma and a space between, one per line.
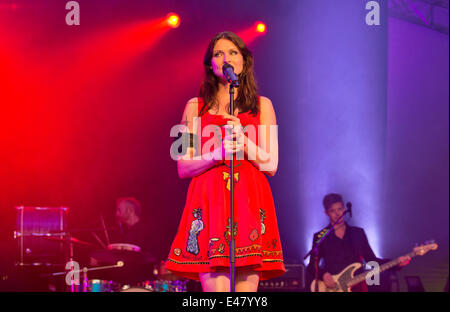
187, 165
265, 156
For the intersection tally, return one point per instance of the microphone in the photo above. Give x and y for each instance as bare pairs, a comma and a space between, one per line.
228, 72
349, 208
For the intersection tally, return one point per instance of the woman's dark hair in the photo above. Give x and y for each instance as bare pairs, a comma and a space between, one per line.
247, 98
332, 198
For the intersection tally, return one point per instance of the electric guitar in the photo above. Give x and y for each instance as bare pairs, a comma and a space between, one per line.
345, 279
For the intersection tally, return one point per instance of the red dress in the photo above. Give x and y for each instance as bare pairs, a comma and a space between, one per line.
202, 241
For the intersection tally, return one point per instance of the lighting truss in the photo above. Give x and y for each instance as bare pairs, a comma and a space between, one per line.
432, 14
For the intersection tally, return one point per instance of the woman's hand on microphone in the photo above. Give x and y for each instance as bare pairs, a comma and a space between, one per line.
233, 141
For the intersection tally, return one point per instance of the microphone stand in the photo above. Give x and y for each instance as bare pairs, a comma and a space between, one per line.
233, 81
232, 243
315, 250
70, 247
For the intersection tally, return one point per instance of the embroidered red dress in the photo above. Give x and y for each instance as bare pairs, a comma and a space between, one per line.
202, 241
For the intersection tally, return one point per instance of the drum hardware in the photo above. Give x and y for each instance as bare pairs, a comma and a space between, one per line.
163, 274
157, 286
128, 288
99, 240
42, 227
102, 285
35, 226
95, 285
139, 288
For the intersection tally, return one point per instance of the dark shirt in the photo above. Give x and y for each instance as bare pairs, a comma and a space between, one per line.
138, 265
135, 235
335, 253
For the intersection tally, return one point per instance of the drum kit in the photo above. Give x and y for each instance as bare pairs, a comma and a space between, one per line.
44, 244
120, 277
117, 279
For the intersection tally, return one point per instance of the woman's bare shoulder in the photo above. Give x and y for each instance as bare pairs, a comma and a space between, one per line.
191, 108
193, 101
264, 100
266, 110
265, 104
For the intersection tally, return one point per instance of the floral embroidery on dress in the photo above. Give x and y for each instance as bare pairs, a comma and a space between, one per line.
196, 226
228, 232
263, 217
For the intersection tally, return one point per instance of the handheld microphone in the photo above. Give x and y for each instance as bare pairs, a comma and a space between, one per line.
228, 72
349, 208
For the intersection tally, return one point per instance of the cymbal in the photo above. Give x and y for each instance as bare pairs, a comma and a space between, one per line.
71, 239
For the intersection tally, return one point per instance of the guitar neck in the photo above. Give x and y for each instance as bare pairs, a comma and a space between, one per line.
361, 277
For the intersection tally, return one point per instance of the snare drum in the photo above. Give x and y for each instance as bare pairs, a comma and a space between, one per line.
124, 247
146, 286
141, 287
135, 289
97, 285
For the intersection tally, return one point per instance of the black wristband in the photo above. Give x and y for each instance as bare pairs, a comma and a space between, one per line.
189, 139
193, 140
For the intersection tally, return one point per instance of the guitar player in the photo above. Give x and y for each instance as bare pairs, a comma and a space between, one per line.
347, 245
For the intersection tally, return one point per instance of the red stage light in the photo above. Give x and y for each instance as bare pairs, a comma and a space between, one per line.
261, 27
173, 20
254, 31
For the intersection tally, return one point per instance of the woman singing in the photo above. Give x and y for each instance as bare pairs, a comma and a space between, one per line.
200, 250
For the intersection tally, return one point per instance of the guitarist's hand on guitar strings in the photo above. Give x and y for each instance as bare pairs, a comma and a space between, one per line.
328, 280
